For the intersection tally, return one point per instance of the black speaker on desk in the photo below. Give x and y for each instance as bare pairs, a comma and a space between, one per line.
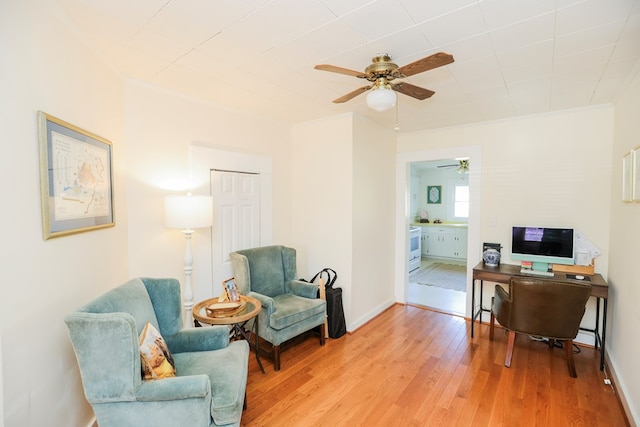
491, 254
496, 246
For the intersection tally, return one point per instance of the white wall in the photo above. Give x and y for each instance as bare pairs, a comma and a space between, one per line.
552, 169
624, 319
47, 67
343, 209
372, 222
322, 167
162, 130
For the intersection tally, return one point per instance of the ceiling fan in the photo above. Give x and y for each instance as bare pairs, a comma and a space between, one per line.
462, 166
381, 72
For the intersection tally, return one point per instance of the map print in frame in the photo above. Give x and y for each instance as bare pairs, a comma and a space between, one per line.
75, 178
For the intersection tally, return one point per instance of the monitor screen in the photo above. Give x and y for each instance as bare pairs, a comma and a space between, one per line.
543, 244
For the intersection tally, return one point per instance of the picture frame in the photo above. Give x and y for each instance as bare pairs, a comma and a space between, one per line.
434, 194
76, 178
231, 289
635, 186
627, 177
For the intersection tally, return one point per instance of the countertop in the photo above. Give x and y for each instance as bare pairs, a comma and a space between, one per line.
443, 224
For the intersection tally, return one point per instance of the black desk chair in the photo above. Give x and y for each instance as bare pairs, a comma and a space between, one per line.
540, 307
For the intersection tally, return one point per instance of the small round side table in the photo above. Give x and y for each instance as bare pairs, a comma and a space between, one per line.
236, 320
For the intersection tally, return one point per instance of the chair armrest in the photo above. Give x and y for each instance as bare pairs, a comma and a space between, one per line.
176, 388
303, 289
267, 302
198, 339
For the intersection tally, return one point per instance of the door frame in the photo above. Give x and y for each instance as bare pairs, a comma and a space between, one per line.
403, 216
202, 159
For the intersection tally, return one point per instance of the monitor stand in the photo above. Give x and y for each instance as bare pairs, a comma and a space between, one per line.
540, 266
537, 269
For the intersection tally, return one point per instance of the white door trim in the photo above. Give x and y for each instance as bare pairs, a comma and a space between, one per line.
403, 217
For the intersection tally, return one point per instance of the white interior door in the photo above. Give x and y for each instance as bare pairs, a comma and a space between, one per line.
236, 218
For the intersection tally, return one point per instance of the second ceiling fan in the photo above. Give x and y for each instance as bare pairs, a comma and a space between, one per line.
382, 72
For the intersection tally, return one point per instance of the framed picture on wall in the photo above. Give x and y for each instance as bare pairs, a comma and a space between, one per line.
76, 178
434, 194
627, 177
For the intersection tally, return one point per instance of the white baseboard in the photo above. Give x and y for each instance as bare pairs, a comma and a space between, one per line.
621, 389
353, 326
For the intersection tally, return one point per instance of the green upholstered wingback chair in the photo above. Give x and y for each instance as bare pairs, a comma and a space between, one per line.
543, 308
289, 306
211, 373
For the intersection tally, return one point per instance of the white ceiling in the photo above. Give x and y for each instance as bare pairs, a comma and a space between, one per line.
512, 57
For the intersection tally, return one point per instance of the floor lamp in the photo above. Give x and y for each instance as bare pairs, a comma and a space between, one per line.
187, 212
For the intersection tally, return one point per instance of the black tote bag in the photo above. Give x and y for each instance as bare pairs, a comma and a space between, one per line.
335, 312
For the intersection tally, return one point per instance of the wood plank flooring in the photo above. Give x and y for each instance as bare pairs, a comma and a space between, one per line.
415, 367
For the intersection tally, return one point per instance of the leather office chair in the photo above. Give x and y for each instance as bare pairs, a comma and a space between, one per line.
290, 307
540, 307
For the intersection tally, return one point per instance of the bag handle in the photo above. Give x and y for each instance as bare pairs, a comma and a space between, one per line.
331, 277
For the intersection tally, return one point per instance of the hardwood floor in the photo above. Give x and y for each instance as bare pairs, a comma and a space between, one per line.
416, 367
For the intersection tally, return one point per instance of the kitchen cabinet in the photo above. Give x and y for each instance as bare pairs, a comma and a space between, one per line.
444, 242
460, 243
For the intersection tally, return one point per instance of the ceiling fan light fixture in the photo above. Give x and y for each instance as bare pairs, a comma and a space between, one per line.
463, 167
381, 98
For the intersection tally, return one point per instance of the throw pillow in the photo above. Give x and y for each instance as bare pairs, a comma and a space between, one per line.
156, 358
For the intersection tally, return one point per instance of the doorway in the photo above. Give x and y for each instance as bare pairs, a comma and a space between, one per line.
405, 218
442, 220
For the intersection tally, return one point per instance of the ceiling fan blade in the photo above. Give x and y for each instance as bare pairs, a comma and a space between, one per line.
425, 64
350, 95
413, 91
446, 166
340, 70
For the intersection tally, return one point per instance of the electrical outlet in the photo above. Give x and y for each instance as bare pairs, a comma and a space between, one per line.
607, 381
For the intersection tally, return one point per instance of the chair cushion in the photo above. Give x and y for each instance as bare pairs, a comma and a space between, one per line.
227, 371
157, 361
291, 309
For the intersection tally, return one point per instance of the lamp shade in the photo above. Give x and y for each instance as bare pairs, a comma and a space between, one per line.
381, 99
187, 211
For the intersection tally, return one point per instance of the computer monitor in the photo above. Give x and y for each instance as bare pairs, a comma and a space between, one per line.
543, 246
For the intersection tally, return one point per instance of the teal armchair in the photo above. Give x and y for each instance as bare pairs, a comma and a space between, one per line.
290, 307
211, 373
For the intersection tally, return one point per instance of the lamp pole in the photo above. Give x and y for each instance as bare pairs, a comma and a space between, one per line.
186, 213
188, 268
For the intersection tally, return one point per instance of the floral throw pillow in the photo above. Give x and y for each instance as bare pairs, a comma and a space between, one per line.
155, 356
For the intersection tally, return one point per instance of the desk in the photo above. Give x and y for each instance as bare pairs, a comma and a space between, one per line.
236, 320
503, 274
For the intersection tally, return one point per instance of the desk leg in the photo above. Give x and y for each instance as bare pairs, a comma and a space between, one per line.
473, 304
596, 334
604, 333
480, 308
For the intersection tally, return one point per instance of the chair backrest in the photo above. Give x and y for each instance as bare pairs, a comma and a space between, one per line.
105, 332
546, 307
270, 269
